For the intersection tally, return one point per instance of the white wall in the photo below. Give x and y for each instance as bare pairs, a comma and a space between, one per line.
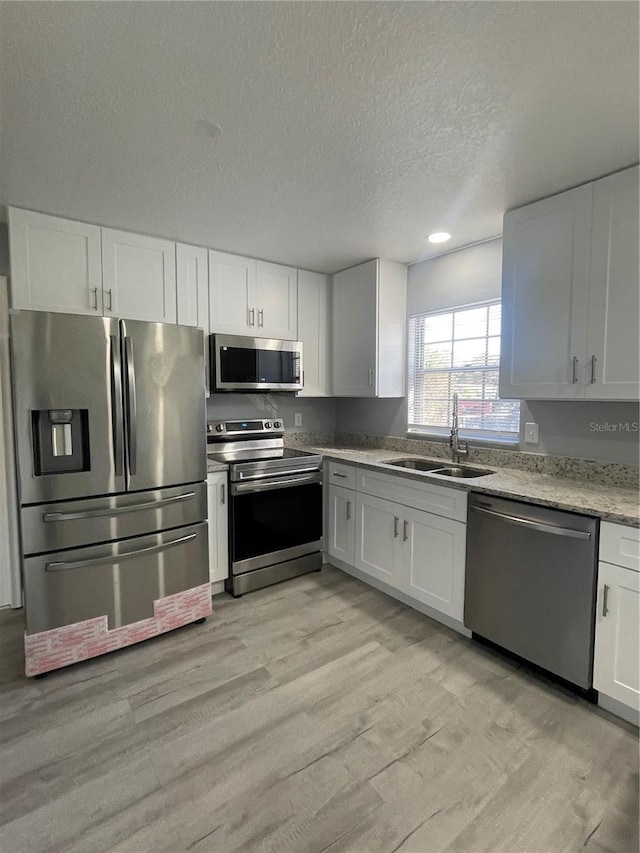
566, 428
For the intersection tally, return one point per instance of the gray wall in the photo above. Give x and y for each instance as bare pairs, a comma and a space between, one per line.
589, 430
318, 415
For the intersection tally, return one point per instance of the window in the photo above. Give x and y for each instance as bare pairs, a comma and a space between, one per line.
459, 351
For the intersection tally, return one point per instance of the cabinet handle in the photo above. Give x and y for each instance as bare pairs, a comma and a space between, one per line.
593, 369
222, 494
370, 377
261, 317
396, 521
95, 297
405, 531
303, 378
348, 510
110, 305
574, 369
605, 600
342, 476
252, 316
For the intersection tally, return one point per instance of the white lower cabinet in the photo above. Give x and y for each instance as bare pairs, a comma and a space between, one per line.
217, 506
377, 532
616, 665
341, 529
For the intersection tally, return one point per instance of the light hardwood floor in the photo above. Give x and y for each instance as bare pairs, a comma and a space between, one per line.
317, 715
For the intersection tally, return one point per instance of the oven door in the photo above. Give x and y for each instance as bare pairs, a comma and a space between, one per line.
256, 364
275, 520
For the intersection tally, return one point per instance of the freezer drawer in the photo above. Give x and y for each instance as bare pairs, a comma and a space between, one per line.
530, 583
120, 579
53, 527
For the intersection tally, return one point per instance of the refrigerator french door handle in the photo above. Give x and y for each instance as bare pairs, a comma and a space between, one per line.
132, 428
63, 566
119, 510
117, 414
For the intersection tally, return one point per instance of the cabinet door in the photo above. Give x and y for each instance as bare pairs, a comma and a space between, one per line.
616, 669
313, 331
545, 274
218, 527
56, 264
232, 294
277, 301
139, 277
342, 528
433, 561
355, 318
192, 275
613, 336
378, 530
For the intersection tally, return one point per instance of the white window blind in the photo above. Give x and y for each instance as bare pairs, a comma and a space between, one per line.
459, 351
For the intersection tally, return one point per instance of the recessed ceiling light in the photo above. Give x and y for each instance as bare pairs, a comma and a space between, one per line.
439, 237
204, 127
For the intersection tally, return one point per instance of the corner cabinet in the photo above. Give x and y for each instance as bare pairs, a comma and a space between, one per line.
616, 669
313, 332
253, 298
369, 330
217, 507
570, 294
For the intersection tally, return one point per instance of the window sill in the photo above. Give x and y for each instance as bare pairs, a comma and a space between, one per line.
474, 441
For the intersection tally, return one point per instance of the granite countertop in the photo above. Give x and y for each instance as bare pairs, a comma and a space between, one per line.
613, 503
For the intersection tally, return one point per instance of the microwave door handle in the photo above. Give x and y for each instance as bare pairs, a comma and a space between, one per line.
132, 428
117, 414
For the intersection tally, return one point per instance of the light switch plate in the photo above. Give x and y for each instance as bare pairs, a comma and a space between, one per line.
531, 433
297, 419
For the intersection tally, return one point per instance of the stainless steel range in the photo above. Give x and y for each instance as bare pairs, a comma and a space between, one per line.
275, 517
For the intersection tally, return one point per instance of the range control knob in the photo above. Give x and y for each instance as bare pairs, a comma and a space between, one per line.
277, 424
219, 427
267, 425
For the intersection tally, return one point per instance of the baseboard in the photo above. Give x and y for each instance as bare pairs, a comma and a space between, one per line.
398, 595
625, 712
217, 588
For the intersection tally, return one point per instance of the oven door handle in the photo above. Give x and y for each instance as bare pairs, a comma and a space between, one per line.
263, 474
270, 484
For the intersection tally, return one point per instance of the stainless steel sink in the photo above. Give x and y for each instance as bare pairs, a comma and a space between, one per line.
414, 464
440, 468
462, 471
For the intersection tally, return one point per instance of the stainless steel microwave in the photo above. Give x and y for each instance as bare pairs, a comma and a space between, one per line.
255, 364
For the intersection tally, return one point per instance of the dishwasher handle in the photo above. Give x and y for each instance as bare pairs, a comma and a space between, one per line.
535, 525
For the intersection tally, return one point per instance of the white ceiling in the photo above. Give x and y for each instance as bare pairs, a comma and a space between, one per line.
350, 130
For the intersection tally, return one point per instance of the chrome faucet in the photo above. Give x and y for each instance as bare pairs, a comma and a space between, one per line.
458, 449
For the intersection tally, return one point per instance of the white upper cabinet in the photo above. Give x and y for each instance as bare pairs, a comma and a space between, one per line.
570, 294
249, 297
545, 298
56, 264
369, 319
277, 301
192, 274
612, 340
313, 331
139, 276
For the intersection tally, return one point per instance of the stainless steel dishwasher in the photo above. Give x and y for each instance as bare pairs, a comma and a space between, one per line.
531, 583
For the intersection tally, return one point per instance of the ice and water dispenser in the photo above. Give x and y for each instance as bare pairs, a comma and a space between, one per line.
60, 441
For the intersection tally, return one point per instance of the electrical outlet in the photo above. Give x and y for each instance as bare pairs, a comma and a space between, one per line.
297, 419
531, 433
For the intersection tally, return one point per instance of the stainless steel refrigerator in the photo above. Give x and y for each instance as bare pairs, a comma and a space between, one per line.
110, 434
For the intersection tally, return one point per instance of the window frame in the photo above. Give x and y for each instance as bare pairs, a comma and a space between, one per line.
478, 437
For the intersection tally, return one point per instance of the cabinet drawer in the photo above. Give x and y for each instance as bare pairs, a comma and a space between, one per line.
620, 545
341, 475
431, 497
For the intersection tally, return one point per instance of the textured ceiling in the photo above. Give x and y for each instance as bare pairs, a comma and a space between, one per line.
349, 129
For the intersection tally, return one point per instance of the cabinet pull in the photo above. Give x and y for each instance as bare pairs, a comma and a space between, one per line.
95, 298
593, 369
370, 377
261, 317
342, 476
348, 510
396, 521
605, 600
574, 369
110, 305
252, 316
222, 494
405, 531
